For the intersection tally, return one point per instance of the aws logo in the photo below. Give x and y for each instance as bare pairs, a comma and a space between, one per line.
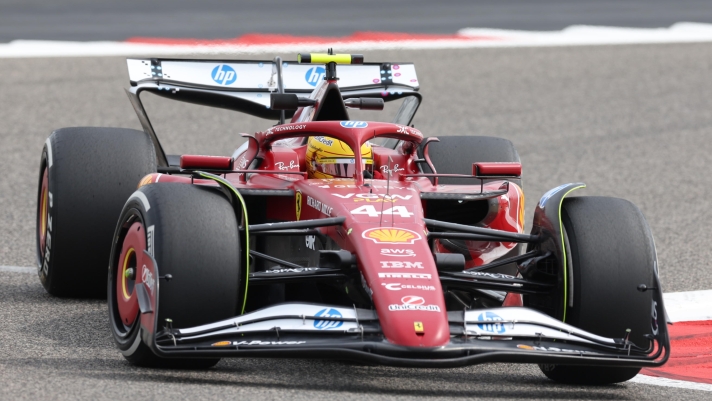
314, 75
224, 75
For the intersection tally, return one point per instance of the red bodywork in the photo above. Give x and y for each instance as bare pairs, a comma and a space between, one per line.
384, 225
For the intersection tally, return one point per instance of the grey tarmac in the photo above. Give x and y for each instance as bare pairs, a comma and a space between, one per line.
630, 121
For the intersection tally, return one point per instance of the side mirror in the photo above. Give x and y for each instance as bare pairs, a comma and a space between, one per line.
286, 101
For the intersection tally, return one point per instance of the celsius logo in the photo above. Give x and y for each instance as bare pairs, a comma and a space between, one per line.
224, 75
491, 322
354, 124
328, 324
314, 75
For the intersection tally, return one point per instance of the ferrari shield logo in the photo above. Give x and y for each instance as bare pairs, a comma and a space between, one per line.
418, 327
299, 204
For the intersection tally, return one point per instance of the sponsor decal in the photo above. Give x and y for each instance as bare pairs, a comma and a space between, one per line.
390, 171
310, 241
391, 264
149, 239
314, 75
354, 124
418, 326
391, 235
413, 302
491, 323
242, 163
148, 279
402, 129
373, 196
221, 344
283, 128
48, 237
490, 275
257, 342
371, 211
298, 201
292, 165
553, 349
328, 324
324, 140
405, 275
319, 205
223, 75
399, 286
292, 270
398, 252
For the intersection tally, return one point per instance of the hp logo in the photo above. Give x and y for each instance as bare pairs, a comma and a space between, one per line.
224, 75
494, 326
314, 75
328, 324
354, 124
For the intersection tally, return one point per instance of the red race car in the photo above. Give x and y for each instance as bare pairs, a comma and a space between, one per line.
328, 237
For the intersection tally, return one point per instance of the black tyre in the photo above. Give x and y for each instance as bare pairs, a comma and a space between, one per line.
193, 235
86, 175
611, 253
455, 155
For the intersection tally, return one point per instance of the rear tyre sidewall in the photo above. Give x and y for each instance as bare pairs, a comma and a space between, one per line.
612, 252
195, 239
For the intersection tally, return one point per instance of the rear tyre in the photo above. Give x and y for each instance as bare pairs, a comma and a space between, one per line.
86, 175
455, 155
612, 252
192, 233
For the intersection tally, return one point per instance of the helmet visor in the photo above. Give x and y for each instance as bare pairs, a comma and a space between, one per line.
342, 167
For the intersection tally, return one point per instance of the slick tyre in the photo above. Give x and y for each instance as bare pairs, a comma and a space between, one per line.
192, 233
455, 155
86, 175
611, 253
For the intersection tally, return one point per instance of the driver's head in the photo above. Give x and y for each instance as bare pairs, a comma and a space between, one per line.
331, 158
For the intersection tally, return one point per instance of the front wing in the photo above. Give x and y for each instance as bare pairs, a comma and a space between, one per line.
504, 334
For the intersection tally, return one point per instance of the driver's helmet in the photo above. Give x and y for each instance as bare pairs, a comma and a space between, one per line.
331, 158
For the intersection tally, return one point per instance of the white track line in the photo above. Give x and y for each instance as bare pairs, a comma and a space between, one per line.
576, 35
689, 305
661, 381
18, 269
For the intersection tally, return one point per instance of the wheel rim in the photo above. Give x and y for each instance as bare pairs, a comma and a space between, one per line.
42, 212
134, 244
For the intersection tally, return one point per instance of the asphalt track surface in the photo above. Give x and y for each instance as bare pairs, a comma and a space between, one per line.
630, 121
216, 19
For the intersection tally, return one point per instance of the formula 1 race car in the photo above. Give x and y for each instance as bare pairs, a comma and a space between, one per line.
327, 237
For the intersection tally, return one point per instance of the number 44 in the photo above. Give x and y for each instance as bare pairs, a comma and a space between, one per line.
371, 211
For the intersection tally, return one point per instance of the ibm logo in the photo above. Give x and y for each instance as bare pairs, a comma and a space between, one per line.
224, 75
314, 75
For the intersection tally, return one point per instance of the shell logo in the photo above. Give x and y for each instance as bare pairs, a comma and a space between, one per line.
391, 235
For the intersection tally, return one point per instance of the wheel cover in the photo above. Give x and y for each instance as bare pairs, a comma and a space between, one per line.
130, 259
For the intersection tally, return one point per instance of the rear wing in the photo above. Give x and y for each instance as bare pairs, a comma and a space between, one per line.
246, 85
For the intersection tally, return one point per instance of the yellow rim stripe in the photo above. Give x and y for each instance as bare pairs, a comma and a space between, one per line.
563, 250
123, 272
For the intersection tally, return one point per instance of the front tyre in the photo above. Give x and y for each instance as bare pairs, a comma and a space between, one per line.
192, 233
611, 253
